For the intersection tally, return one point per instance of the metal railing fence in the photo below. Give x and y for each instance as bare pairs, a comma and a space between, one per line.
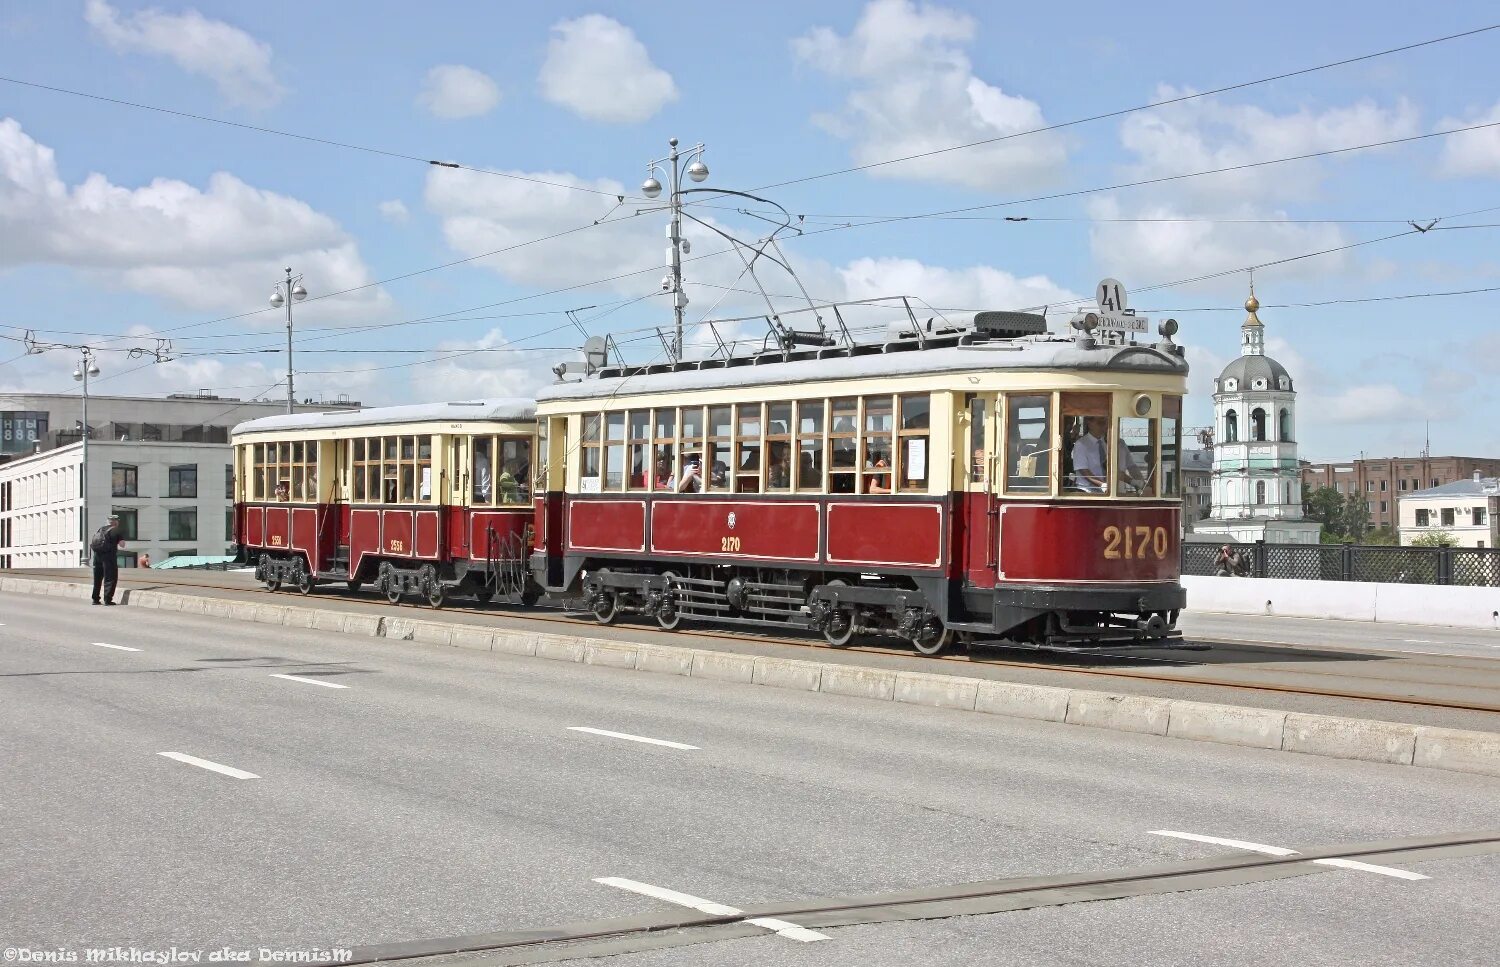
1463, 566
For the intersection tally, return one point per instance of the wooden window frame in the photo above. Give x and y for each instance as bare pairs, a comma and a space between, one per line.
820, 435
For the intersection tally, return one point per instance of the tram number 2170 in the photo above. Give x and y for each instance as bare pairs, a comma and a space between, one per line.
1135, 543
729, 544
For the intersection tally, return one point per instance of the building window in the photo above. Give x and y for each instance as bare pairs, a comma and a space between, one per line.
1403, 483
1370, 486
228, 481
1383, 485
128, 522
1479, 517
1447, 516
1382, 506
123, 480
1286, 425
229, 524
1424, 518
1231, 426
185, 552
1260, 491
182, 525
1435, 482
1258, 424
182, 481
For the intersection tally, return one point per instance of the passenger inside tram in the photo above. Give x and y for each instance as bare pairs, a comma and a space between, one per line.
482, 482
779, 471
509, 488
691, 481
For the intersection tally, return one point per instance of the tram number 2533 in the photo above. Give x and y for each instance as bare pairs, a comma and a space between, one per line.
1135, 543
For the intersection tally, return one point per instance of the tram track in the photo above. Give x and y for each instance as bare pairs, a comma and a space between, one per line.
1055, 667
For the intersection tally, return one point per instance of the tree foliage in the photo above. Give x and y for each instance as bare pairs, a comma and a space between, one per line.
1435, 539
1344, 519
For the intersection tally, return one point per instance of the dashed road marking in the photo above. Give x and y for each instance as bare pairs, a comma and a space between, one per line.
310, 681
210, 766
781, 928
632, 738
1283, 851
105, 644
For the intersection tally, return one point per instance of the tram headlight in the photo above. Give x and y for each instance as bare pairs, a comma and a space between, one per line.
1142, 405
1168, 328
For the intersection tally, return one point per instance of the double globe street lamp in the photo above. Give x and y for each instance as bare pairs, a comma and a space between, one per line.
689, 162
284, 294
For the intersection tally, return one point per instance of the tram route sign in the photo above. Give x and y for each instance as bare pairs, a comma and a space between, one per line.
1113, 314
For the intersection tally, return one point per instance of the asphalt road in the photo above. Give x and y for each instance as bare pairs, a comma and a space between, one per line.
1352, 669
443, 792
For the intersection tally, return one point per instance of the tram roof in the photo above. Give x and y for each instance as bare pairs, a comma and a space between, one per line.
874, 361
504, 409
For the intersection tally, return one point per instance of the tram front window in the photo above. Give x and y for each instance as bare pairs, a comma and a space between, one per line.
1028, 443
1087, 461
1136, 452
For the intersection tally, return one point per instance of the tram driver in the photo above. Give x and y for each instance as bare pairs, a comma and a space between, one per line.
1091, 460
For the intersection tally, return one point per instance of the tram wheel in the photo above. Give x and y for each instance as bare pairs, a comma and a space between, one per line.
530, 597
485, 595
669, 620
305, 582
354, 586
840, 628
436, 594
933, 637
393, 591
605, 608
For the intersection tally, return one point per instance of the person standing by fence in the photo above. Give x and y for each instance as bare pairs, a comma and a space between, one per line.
105, 546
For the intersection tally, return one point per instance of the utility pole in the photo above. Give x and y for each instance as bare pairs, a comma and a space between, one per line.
651, 188
293, 293
86, 368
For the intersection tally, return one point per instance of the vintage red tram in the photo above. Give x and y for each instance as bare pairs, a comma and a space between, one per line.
429, 499
996, 482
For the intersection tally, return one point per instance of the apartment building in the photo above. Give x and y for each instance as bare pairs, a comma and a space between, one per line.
1385, 481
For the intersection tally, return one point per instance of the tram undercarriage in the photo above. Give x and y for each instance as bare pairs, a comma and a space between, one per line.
917, 610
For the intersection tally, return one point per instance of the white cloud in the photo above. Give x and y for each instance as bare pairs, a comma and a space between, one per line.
237, 63
1154, 252
597, 69
1209, 133
394, 210
1382, 403
972, 287
455, 91
498, 371
214, 249
1472, 153
914, 90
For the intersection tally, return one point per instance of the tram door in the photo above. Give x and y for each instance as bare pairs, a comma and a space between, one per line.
978, 506
338, 508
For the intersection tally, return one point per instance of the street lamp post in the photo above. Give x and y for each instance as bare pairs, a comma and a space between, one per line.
86, 368
651, 188
284, 294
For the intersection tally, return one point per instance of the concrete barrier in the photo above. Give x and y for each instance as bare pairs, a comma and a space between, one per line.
1323, 735
1421, 604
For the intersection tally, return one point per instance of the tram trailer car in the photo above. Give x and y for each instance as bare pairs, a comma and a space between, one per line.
993, 482
426, 500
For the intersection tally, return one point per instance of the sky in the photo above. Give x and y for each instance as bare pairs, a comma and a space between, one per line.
122, 226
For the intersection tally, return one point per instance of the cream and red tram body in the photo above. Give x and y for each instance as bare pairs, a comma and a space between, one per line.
921, 488
427, 499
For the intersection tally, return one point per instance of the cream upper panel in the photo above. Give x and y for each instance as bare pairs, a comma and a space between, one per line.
461, 428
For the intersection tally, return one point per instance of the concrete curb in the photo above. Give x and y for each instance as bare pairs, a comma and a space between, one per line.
1322, 735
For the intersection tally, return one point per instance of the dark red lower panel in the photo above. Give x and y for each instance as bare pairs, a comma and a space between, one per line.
1083, 544
607, 525
396, 533
885, 534
774, 529
428, 527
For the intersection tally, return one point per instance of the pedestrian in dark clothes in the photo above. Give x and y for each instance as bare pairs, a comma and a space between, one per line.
105, 545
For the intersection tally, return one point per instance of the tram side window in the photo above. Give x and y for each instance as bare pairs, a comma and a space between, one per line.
512, 486
424, 468
664, 466
639, 425
978, 448
483, 473
389, 463
720, 447
1171, 446
1136, 457
357, 469
843, 457
690, 481
1028, 443
261, 491
810, 449
878, 449
1087, 461
614, 451
916, 417
778, 447
592, 466
747, 448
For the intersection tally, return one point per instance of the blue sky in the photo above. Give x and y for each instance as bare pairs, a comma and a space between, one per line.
123, 223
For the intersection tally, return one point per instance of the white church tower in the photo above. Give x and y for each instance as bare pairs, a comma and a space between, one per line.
1257, 483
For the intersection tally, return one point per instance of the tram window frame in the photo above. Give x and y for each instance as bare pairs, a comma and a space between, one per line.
1017, 405
877, 443
1170, 463
390, 470
663, 450
716, 444
515, 453
591, 464
843, 474
693, 448
356, 470
259, 490
817, 435
638, 450
778, 446
614, 451
749, 429
913, 429
977, 453
1142, 476
1080, 407
541, 457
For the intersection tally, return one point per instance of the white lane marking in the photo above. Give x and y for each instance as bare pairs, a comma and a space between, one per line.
632, 738
105, 644
1372, 868
1283, 851
310, 681
210, 766
781, 928
1233, 843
